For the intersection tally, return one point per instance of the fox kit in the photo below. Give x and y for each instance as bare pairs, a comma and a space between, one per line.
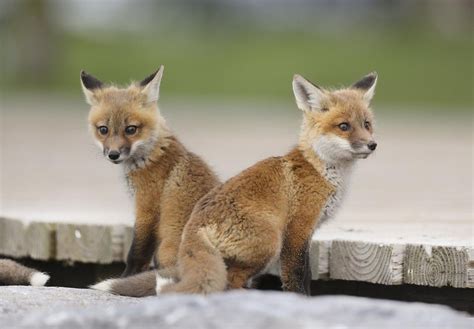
270, 210
165, 179
12, 273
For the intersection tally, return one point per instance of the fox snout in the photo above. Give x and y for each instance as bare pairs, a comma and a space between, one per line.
372, 145
117, 155
114, 155
363, 149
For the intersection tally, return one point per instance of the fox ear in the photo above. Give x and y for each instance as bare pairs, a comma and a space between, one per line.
89, 85
367, 86
309, 97
151, 85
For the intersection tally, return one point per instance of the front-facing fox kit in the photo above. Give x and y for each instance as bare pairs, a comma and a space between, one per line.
270, 210
165, 179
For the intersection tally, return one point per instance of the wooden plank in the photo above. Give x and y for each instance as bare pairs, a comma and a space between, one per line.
470, 269
354, 260
12, 238
41, 240
85, 243
438, 266
118, 240
369, 262
319, 259
127, 242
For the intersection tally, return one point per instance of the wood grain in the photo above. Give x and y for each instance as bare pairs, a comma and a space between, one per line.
369, 262
438, 266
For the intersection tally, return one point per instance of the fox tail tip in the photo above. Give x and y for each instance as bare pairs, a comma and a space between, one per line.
39, 279
105, 285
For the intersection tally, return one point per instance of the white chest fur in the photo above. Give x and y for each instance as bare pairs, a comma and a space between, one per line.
338, 176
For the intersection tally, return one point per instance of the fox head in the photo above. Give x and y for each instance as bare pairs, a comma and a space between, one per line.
338, 125
125, 122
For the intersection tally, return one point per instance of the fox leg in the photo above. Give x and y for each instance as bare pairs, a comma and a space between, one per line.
167, 254
295, 266
143, 246
201, 266
253, 255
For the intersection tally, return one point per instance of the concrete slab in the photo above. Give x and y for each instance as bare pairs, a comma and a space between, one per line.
26, 307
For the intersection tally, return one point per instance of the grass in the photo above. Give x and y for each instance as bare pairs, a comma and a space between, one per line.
414, 68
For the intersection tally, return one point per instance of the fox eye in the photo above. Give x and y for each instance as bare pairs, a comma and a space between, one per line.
367, 125
344, 126
103, 130
130, 130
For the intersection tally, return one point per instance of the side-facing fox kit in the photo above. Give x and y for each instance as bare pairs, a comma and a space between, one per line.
209, 237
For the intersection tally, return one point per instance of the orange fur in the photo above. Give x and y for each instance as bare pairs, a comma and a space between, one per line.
165, 178
271, 209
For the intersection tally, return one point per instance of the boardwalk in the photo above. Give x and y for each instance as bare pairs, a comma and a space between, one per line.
407, 218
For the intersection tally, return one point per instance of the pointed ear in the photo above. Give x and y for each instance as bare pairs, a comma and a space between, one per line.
151, 85
367, 86
89, 85
309, 97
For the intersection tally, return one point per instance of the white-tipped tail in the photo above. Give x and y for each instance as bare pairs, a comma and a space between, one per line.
161, 282
39, 279
138, 285
105, 285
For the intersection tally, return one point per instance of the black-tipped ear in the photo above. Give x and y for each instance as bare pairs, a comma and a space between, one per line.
367, 86
90, 82
148, 79
366, 82
89, 85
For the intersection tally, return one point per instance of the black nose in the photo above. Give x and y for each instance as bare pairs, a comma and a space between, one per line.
114, 155
372, 146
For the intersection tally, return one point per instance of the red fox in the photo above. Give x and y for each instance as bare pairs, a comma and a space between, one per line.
12, 273
270, 210
165, 178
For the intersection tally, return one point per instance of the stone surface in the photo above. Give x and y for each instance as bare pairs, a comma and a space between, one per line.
26, 307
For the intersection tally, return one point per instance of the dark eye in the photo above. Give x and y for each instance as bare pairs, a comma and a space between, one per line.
367, 125
344, 126
103, 130
130, 130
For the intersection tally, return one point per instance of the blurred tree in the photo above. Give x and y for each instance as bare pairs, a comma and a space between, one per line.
29, 41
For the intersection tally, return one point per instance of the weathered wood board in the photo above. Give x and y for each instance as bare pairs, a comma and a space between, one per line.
367, 261
438, 266
363, 261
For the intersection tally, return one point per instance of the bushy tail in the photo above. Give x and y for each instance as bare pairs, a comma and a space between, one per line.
201, 267
12, 273
138, 285
201, 270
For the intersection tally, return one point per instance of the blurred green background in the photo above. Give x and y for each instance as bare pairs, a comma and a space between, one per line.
244, 49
